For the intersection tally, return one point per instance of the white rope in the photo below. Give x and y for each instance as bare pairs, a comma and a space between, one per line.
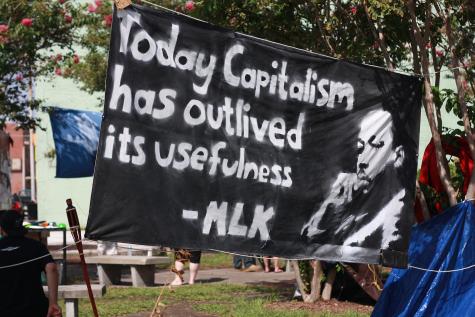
38, 258
232, 253
441, 271
262, 257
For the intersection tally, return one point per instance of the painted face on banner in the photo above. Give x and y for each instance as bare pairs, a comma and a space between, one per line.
375, 145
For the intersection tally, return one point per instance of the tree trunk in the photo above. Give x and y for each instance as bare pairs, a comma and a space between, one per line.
367, 277
378, 37
422, 201
442, 165
327, 290
5, 167
461, 96
315, 287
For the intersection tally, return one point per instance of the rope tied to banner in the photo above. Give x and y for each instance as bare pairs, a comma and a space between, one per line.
232, 253
375, 277
122, 4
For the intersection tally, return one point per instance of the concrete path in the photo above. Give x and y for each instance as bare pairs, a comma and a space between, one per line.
229, 276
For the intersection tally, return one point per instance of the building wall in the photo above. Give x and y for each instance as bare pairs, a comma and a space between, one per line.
17, 157
52, 192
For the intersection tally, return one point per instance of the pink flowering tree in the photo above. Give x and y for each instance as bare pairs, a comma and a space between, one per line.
90, 69
29, 32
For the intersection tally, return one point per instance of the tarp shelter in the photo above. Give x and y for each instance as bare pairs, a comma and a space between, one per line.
445, 243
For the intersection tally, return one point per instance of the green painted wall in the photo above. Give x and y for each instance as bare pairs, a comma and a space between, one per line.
449, 120
52, 192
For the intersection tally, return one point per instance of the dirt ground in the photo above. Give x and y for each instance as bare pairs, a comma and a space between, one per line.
350, 299
333, 306
183, 309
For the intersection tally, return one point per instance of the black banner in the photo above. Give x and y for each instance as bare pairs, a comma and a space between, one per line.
213, 139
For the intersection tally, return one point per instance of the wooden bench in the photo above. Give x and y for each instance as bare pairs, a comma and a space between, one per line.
72, 293
142, 268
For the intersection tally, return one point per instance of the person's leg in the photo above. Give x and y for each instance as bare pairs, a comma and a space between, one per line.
194, 267
248, 261
276, 265
266, 264
195, 259
178, 273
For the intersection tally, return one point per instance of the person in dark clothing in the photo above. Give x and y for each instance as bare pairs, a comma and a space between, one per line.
21, 262
246, 263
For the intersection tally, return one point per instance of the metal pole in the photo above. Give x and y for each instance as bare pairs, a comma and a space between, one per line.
76, 233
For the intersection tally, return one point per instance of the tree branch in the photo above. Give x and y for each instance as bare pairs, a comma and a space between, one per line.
378, 36
442, 165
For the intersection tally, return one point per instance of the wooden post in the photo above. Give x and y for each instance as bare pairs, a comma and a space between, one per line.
76, 233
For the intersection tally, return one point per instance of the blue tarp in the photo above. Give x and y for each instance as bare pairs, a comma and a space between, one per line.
446, 242
76, 137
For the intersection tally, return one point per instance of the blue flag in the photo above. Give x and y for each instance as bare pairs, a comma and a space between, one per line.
76, 137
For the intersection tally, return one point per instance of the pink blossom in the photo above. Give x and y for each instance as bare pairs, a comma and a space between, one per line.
75, 59
428, 45
91, 8
19, 77
353, 10
190, 5
439, 53
3, 28
68, 18
58, 71
61, 1
27, 22
59, 57
108, 20
98, 3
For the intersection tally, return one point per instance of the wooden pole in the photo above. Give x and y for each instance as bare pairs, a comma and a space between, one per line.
76, 233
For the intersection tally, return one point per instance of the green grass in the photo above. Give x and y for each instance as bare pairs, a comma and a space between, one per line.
220, 299
216, 260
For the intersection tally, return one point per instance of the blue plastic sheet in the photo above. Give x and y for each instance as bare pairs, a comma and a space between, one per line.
446, 242
76, 137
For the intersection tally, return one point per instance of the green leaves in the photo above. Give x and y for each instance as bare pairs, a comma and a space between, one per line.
31, 29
